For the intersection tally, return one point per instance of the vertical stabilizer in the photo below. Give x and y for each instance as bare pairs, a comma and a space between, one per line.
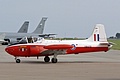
98, 34
40, 27
24, 27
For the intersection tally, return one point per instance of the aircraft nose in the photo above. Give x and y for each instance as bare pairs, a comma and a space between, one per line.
9, 50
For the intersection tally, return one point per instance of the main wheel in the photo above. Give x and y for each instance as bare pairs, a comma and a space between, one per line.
54, 60
18, 61
46, 59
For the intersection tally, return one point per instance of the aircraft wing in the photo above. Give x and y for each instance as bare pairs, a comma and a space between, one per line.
56, 49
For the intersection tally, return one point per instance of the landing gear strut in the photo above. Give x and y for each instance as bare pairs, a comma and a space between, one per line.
46, 59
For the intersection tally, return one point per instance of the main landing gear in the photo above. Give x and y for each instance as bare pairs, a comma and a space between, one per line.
53, 60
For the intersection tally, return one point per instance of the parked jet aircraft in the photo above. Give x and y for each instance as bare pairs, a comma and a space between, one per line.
13, 37
23, 29
96, 42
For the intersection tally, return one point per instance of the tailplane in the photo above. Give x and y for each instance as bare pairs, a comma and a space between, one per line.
24, 27
98, 34
40, 27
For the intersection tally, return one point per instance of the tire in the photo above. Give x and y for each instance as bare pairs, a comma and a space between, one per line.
54, 60
18, 61
46, 59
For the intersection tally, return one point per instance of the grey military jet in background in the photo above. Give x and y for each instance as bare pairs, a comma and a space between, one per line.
23, 29
38, 32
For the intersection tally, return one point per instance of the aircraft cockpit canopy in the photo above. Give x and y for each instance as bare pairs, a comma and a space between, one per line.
29, 39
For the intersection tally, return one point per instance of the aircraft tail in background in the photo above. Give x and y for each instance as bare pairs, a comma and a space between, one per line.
98, 34
40, 27
24, 27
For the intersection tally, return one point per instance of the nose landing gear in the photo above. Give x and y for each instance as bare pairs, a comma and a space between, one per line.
17, 60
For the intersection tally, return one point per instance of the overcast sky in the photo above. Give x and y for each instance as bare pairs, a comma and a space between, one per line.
67, 18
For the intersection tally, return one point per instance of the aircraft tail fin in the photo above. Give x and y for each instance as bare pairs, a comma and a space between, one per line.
98, 34
40, 27
24, 27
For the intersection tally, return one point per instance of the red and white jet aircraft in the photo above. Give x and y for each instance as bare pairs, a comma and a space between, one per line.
96, 42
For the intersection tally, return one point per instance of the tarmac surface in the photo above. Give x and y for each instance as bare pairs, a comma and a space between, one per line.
87, 66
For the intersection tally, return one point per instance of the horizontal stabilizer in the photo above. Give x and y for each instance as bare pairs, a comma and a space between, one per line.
104, 43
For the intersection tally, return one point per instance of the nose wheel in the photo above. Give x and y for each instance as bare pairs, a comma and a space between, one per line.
17, 60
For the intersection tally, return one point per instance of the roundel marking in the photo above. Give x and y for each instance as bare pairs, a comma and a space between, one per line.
74, 47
